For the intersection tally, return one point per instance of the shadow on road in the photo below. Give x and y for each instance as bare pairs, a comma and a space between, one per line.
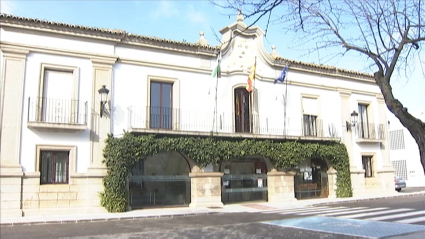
412, 190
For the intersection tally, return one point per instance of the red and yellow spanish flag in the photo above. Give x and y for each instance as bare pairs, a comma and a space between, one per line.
251, 77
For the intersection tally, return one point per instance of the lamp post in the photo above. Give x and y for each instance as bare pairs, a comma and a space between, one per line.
353, 121
103, 98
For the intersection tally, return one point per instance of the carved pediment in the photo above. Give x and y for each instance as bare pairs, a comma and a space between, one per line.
241, 56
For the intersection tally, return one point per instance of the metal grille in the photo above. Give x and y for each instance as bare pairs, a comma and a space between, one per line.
396, 139
400, 167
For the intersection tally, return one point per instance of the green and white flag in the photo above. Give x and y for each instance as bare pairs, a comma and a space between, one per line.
217, 70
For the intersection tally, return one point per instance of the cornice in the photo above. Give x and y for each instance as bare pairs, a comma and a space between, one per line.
14, 52
164, 65
103, 62
50, 50
168, 45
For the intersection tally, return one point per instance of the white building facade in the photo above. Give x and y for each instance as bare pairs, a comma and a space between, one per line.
52, 131
404, 151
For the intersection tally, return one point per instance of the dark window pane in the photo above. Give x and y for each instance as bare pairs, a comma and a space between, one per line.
54, 167
155, 94
161, 105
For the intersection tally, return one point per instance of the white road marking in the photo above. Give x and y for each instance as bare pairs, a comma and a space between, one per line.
396, 216
376, 213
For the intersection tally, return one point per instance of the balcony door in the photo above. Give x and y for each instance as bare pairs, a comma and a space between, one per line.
243, 120
57, 104
161, 112
363, 122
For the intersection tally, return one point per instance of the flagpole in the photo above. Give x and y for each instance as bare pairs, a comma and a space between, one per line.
284, 107
216, 87
252, 96
215, 108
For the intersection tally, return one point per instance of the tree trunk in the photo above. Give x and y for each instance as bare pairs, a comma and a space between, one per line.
415, 126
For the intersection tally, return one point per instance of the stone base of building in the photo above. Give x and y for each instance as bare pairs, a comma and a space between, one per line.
280, 186
381, 184
22, 195
10, 191
205, 189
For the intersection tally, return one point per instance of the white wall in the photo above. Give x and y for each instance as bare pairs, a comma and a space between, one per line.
31, 137
410, 153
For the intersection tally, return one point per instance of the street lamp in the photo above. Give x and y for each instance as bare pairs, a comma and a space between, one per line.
103, 92
353, 121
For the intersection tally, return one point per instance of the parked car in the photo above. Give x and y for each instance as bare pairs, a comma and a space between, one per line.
399, 183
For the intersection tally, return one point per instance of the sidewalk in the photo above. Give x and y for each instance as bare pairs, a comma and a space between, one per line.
186, 211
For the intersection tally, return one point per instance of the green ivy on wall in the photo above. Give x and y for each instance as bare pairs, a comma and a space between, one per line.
121, 153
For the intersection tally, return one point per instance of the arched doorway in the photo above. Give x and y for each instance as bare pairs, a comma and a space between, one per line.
311, 179
160, 180
244, 179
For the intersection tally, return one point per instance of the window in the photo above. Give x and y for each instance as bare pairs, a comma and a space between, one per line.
243, 116
57, 100
363, 122
367, 166
310, 115
400, 167
396, 139
161, 104
54, 167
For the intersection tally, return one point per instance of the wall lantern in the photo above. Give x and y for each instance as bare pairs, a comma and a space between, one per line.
353, 120
103, 92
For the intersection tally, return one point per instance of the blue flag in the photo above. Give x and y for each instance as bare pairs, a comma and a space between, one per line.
282, 76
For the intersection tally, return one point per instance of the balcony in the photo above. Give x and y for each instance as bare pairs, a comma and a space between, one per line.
369, 132
57, 114
204, 123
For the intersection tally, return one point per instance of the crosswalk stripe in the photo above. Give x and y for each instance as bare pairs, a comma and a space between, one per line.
354, 211
331, 210
412, 220
396, 216
297, 210
376, 213
338, 212
362, 213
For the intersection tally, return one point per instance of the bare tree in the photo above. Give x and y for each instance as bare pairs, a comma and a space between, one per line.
389, 34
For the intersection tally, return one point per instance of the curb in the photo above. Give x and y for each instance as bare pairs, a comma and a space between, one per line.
369, 199
68, 221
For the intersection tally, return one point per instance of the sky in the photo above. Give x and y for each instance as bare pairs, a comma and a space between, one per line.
183, 20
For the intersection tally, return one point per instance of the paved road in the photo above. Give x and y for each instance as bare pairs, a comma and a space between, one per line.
348, 220
406, 210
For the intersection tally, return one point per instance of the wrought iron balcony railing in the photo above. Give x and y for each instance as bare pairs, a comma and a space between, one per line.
207, 121
57, 111
370, 131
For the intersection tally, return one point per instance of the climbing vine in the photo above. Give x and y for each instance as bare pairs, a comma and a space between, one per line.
121, 153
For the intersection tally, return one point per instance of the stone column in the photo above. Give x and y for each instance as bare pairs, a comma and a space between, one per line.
280, 186
358, 182
332, 182
205, 189
100, 126
386, 172
11, 111
347, 139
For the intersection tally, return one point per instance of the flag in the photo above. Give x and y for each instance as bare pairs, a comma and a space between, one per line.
282, 76
217, 69
251, 77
